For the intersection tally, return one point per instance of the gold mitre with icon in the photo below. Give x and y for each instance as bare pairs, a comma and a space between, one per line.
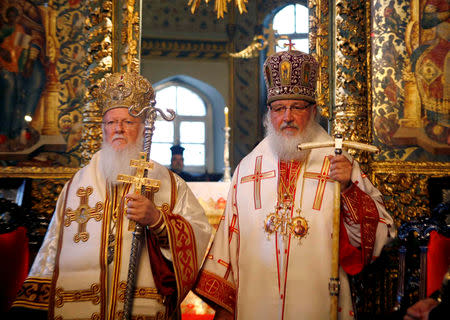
292, 75
123, 90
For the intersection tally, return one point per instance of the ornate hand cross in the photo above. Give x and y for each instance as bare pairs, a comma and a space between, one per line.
139, 180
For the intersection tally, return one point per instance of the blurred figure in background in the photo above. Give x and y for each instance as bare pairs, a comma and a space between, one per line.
177, 163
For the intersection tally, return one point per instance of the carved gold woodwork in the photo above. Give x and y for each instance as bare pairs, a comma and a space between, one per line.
130, 37
100, 29
319, 43
48, 104
44, 193
405, 186
187, 49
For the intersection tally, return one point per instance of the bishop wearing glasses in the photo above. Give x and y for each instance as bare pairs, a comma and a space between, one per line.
271, 256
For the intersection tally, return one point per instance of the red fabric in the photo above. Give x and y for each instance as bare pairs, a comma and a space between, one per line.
350, 257
197, 316
14, 267
438, 260
162, 271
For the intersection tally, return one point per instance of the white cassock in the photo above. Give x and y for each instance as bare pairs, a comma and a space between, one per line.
71, 276
256, 272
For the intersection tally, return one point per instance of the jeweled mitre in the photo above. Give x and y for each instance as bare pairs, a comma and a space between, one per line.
291, 75
120, 90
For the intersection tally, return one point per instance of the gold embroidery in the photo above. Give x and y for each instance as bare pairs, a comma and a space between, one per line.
142, 292
322, 177
94, 316
83, 213
34, 294
159, 316
92, 294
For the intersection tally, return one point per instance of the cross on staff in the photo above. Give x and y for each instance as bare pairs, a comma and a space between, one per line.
338, 144
148, 113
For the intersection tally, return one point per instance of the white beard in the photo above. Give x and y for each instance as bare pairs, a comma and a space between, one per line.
115, 162
286, 146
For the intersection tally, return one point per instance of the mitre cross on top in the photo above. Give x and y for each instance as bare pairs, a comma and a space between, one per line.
139, 180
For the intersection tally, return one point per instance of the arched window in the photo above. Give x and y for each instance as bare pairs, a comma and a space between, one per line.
293, 21
190, 127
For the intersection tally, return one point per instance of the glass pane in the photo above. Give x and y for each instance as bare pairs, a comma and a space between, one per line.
160, 152
191, 131
166, 98
163, 131
301, 19
284, 21
189, 103
299, 44
194, 154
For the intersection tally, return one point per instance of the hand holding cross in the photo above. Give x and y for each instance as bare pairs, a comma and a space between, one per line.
139, 208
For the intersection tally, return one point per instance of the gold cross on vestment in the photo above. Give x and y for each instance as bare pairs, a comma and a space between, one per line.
256, 177
323, 177
83, 213
139, 180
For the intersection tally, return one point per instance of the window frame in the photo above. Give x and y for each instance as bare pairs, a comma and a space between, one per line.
207, 119
295, 35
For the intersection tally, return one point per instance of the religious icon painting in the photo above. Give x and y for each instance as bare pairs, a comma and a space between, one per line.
299, 227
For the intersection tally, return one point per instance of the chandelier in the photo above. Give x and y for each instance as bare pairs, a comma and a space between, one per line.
220, 6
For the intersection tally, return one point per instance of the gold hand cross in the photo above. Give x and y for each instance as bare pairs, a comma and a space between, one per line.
139, 180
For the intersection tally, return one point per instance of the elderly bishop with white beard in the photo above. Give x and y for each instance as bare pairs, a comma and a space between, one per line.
271, 256
81, 269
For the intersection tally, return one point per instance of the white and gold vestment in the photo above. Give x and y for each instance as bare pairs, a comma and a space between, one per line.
71, 276
271, 256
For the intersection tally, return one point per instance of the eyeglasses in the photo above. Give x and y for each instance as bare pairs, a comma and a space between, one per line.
294, 109
127, 124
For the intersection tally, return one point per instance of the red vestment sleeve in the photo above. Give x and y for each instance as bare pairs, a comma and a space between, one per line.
162, 269
350, 257
361, 206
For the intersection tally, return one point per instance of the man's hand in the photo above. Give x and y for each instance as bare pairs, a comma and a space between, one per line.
341, 170
141, 209
420, 309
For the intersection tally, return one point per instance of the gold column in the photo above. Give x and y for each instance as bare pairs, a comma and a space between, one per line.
49, 100
352, 78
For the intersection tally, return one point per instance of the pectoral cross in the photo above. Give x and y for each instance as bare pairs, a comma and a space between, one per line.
139, 180
280, 221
